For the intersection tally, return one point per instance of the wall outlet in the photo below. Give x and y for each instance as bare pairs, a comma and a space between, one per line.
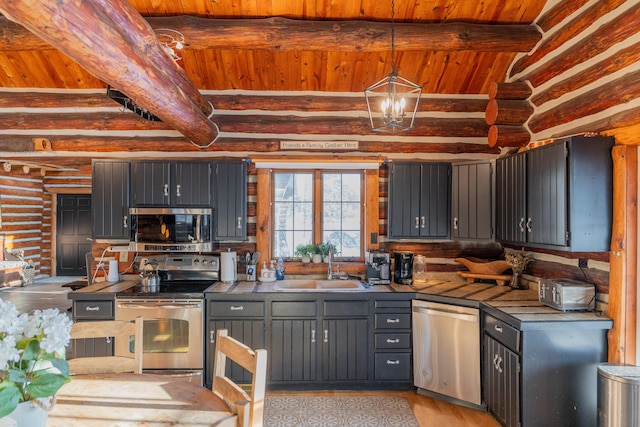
583, 262
124, 256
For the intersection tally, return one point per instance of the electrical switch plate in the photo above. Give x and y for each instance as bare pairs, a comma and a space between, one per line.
124, 256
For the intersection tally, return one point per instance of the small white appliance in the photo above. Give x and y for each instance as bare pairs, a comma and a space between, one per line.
567, 294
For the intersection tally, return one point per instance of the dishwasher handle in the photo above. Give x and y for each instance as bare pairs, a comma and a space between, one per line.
447, 313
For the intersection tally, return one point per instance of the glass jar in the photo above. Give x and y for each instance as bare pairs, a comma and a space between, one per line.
419, 267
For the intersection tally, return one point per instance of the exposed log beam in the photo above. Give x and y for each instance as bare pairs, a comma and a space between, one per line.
103, 46
106, 146
508, 112
504, 90
293, 102
245, 124
284, 34
508, 136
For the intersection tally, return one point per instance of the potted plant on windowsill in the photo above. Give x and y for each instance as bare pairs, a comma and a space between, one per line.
323, 250
305, 252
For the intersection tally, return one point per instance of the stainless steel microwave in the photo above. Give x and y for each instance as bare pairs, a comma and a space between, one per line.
171, 229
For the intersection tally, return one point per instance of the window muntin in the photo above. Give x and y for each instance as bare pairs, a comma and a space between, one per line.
341, 212
301, 197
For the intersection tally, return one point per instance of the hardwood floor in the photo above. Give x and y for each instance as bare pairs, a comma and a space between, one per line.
429, 412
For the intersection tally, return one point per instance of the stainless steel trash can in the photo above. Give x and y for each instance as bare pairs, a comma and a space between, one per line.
618, 395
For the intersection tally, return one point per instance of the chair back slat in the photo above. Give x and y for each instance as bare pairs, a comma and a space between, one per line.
119, 330
254, 361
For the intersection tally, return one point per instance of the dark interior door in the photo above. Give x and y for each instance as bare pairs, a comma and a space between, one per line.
73, 234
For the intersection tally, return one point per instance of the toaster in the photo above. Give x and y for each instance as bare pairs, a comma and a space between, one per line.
567, 294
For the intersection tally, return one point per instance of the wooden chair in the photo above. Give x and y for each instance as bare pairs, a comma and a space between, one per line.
248, 406
120, 330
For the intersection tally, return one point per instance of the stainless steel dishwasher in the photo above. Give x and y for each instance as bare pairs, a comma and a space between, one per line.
446, 352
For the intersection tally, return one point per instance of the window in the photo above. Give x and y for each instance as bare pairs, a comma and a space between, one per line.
315, 206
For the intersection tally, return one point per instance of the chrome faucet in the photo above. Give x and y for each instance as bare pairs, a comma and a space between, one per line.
330, 272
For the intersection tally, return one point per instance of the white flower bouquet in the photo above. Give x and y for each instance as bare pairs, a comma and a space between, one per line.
31, 366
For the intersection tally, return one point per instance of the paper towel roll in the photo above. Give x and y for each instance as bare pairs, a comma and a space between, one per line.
113, 271
228, 268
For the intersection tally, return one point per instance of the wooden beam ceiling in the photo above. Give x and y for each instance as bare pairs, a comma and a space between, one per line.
282, 34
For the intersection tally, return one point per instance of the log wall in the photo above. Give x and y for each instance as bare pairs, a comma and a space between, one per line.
584, 72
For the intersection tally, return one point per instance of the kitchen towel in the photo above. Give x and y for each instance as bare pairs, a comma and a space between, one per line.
228, 266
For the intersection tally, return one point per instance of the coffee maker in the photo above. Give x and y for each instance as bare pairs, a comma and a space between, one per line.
402, 268
378, 268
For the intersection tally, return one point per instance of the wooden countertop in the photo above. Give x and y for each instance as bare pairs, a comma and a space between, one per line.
268, 287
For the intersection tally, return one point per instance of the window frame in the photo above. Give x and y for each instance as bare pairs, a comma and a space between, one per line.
318, 202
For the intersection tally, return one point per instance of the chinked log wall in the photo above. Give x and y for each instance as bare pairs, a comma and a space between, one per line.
585, 77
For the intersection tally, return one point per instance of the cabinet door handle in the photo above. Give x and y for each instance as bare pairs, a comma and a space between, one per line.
313, 335
125, 221
393, 320
178, 190
165, 190
212, 337
455, 223
521, 225
498, 328
393, 341
529, 223
424, 222
417, 222
108, 340
497, 363
326, 335
95, 308
236, 308
393, 362
239, 222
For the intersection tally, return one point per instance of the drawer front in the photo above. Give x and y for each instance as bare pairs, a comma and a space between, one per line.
346, 308
393, 366
400, 341
393, 320
95, 310
293, 309
506, 334
231, 309
393, 304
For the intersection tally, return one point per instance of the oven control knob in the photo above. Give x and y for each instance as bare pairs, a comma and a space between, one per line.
205, 262
196, 261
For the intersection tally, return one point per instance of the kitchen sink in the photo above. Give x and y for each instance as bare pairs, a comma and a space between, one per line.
309, 285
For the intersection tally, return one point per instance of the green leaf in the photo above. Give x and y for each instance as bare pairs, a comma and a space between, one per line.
9, 398
17, 376
46, 385
32, 350
61, 365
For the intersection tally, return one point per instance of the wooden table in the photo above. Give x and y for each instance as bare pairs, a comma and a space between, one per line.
136, 400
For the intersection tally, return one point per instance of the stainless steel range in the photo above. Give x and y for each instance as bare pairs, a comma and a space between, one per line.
173, 313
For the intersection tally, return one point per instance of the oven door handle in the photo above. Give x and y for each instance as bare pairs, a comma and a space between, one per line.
159, 305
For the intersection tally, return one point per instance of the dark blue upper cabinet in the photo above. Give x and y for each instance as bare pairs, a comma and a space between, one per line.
176, 184
110, 200
419, 200
557, 196
230, 200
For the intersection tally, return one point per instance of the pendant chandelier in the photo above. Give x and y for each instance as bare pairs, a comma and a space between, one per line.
393, 101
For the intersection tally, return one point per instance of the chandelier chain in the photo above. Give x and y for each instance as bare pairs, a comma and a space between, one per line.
393, 36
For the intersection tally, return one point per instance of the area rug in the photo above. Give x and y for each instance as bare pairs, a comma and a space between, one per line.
327, 411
